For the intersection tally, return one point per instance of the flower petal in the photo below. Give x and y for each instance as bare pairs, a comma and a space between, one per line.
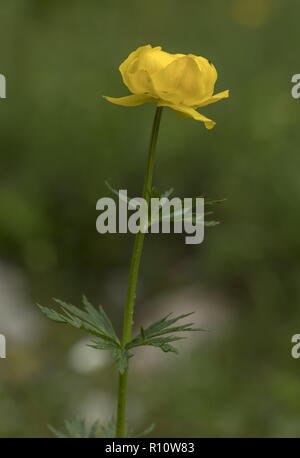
215, 98
130, 100
208, 71
146, 61
130, 60
188, 113
180, 82
186, 81
154, 60
140, 82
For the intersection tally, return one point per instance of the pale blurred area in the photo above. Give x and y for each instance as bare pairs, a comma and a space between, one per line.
17, 326
60, 141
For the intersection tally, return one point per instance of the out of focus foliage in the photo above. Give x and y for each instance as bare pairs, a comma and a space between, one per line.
60, 141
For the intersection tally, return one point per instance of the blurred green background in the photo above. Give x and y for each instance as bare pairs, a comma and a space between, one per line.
60, 141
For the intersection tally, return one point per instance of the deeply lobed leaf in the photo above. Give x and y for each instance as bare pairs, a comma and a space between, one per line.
76, 428
160, 333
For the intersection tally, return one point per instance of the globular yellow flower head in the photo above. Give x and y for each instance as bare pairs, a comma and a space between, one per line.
181, 82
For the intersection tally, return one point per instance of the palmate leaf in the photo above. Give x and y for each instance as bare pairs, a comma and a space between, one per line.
76, 428
184, 214
173, 216
161, 333
95, 322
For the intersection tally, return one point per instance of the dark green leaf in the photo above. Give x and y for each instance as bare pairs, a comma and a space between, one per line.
160, 333
94, 321
76, 428
121, 357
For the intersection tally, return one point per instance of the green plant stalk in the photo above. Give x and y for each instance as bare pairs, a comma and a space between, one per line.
133, 278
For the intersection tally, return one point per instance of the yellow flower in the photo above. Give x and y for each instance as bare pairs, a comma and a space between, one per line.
181, 82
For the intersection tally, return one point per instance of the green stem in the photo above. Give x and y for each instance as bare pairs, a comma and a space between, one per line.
133, 278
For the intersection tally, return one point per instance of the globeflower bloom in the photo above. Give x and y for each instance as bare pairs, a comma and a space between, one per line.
178, 81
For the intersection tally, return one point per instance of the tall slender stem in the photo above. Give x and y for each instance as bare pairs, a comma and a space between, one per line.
133, 278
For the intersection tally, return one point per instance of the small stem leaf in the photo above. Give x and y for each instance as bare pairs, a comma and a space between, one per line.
129, 201
76, 428
168, 193
102, 345
121, 357
168, 348
52, 314
57, 433
93, 430
211, 223
92, 320
100, 317
145, 432
160, 333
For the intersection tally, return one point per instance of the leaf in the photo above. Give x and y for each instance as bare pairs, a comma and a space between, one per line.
165, 347
109, 430
76, 428
208, 202
160, 333
57, 433
213, 202
94, 321
156, 194
168, 193
184, 213
211, 223
121, 357
173, 216
93, 430
52, 314
100, 317
145, 432
102, 345
132, 203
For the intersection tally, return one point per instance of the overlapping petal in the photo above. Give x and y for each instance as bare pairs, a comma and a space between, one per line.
208, 72
141, 83
131, 59
181, 82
